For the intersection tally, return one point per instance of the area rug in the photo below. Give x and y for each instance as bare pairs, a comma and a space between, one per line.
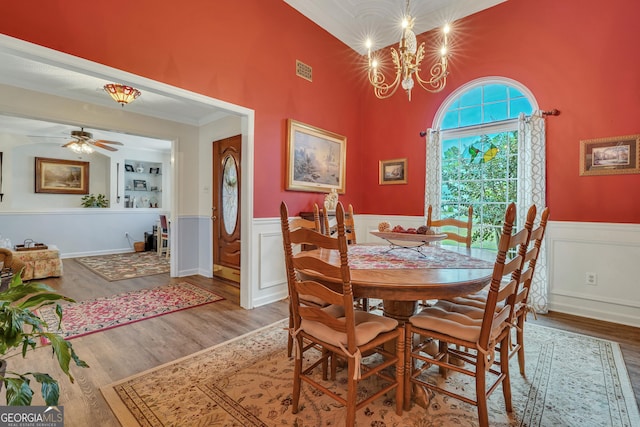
572, 380
126, 266
86, 317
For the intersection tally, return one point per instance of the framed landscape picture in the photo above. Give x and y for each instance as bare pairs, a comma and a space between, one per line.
393, 171
61, 176
315, 159
606, 156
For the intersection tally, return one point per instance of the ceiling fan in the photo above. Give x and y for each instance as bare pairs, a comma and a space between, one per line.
82, 142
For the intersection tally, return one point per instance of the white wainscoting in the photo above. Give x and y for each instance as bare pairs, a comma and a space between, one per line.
612, 252
268, 262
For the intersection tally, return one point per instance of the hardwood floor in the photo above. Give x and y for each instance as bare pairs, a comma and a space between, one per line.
120, 352
127, 350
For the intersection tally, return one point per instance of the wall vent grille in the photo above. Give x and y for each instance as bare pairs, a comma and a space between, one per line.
303, 70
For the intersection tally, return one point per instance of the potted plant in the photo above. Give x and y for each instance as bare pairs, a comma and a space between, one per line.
20, 329
91, 201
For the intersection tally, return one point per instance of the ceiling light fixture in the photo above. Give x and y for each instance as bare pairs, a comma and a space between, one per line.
122, 94
80, 147
407, 60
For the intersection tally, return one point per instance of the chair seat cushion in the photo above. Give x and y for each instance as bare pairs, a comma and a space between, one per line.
468, 310
456, 321
452, 323
368, 326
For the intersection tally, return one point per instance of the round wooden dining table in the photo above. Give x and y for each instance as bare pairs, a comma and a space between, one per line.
403, 276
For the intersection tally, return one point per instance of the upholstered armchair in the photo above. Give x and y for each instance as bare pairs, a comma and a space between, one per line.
6, 257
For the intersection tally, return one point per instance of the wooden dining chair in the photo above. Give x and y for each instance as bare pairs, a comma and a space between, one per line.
294, 224
330, 227
473, 305
477, 340
461, 225
339, 329
163, 233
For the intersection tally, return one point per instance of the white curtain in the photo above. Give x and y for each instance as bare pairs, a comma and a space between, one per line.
531, 190
433, 184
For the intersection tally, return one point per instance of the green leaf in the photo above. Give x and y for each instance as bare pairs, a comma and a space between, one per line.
44, 298
18, 391
61, 349
50, 388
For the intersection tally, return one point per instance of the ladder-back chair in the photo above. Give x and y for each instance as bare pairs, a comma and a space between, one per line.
339, 329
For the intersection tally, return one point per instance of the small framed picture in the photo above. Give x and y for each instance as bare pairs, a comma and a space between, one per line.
607, 156
154, 170
393, 171
128, 168
139, 185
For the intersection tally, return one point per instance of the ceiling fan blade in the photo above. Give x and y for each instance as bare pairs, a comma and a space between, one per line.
104, 141
106, 147
69, 143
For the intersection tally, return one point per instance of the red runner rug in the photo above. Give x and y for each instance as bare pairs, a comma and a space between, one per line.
86, 317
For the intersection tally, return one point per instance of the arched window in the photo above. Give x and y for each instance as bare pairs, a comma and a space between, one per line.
478, 153
487, 149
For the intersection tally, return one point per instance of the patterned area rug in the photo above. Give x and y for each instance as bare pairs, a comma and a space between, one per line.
572, 380
86, 317
365, 256
126, 266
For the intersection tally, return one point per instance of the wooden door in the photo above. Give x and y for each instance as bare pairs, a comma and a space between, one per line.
226, 208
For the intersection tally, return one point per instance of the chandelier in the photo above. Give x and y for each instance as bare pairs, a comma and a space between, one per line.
122, 94
407, 60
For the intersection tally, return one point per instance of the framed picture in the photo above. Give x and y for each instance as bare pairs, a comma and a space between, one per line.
393, 171
607, 156
154, 171
128, 168
139, 185
61, 176
315, 159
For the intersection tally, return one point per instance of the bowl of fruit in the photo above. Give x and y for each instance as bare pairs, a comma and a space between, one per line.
398, 233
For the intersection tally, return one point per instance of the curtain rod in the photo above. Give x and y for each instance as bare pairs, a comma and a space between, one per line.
552, 112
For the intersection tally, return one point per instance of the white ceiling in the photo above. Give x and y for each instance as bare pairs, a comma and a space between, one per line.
351, 21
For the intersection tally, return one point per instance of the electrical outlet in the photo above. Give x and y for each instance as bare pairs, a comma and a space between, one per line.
591, 279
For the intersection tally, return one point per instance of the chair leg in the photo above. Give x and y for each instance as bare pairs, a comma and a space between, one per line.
504, 368
520, 340
289, 337
481, 393
297, 371
352, 392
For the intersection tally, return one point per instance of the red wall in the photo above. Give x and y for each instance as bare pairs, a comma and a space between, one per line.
241, 51
577, 56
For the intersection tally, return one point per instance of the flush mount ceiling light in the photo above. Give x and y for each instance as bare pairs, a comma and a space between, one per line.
407, 60
122, 94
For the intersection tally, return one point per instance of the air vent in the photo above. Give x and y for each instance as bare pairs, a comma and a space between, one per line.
303, 70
